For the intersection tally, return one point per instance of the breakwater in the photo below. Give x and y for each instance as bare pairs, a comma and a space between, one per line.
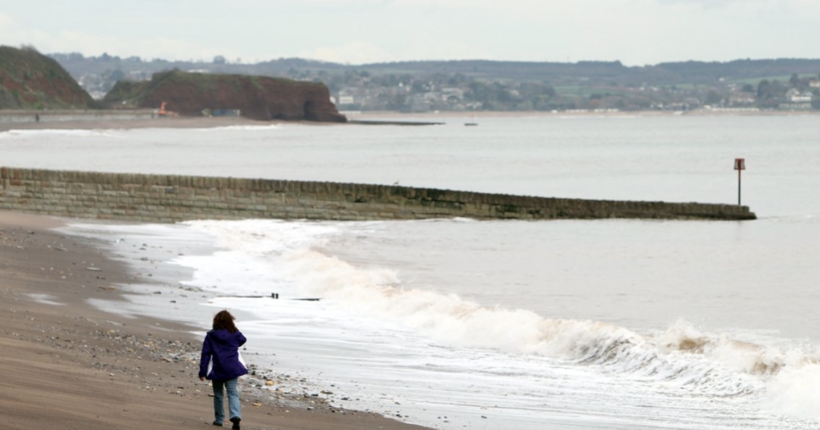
390, 122
169, 198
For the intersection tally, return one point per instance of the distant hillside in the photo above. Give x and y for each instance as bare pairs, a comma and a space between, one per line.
483, 85
594, 72
257, 97
602, 72
30, 80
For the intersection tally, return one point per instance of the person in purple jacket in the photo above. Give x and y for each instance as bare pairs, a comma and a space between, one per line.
222, 346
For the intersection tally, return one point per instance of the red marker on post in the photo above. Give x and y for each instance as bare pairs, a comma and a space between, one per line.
740, 165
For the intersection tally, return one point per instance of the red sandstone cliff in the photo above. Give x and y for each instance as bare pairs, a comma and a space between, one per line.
30, 80
258, 97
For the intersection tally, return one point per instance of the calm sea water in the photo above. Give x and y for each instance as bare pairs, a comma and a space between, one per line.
503, 325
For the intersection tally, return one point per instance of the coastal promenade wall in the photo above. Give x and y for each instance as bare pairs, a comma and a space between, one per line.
167, 198
57, 116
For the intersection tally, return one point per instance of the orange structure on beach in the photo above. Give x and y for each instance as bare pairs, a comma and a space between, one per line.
163, 112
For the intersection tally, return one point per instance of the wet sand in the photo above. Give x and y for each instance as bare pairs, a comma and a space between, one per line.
68, 365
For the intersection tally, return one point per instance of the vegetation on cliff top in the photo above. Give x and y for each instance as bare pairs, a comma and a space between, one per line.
30, 80
134, 94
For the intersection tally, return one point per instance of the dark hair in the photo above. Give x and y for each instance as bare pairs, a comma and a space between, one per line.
224, 321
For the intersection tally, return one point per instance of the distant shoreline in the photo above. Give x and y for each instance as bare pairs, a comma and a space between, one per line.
95, 120
512, 114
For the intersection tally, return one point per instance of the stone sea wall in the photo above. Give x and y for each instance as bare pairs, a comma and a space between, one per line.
167, 198
56, 116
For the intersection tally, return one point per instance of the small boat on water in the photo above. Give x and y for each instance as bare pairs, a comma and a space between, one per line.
468, 124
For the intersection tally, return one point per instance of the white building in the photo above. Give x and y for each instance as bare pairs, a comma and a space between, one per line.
795, 96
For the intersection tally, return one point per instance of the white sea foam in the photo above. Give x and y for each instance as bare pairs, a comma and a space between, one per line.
240, 128
795, 391
248, 262
24, 133
47, 299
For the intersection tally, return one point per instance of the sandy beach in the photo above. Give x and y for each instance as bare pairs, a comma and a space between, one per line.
162, 122
68, 365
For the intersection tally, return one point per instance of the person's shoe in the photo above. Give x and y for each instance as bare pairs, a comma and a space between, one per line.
217, 423
235, 421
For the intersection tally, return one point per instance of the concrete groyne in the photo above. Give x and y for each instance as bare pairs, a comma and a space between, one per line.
169, 198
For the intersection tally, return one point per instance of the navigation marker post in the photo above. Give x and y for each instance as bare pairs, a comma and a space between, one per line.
740, 165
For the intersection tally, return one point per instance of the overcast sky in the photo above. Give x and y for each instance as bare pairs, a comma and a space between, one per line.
636, 32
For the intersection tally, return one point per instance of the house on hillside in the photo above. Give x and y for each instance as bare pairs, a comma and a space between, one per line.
795, 100
796, 96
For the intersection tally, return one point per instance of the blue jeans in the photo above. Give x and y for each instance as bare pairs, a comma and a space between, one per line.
219, 400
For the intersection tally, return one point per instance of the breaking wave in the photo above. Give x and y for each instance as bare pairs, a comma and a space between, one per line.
681, 359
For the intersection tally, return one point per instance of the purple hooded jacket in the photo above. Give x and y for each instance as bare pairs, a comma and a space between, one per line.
223, 347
